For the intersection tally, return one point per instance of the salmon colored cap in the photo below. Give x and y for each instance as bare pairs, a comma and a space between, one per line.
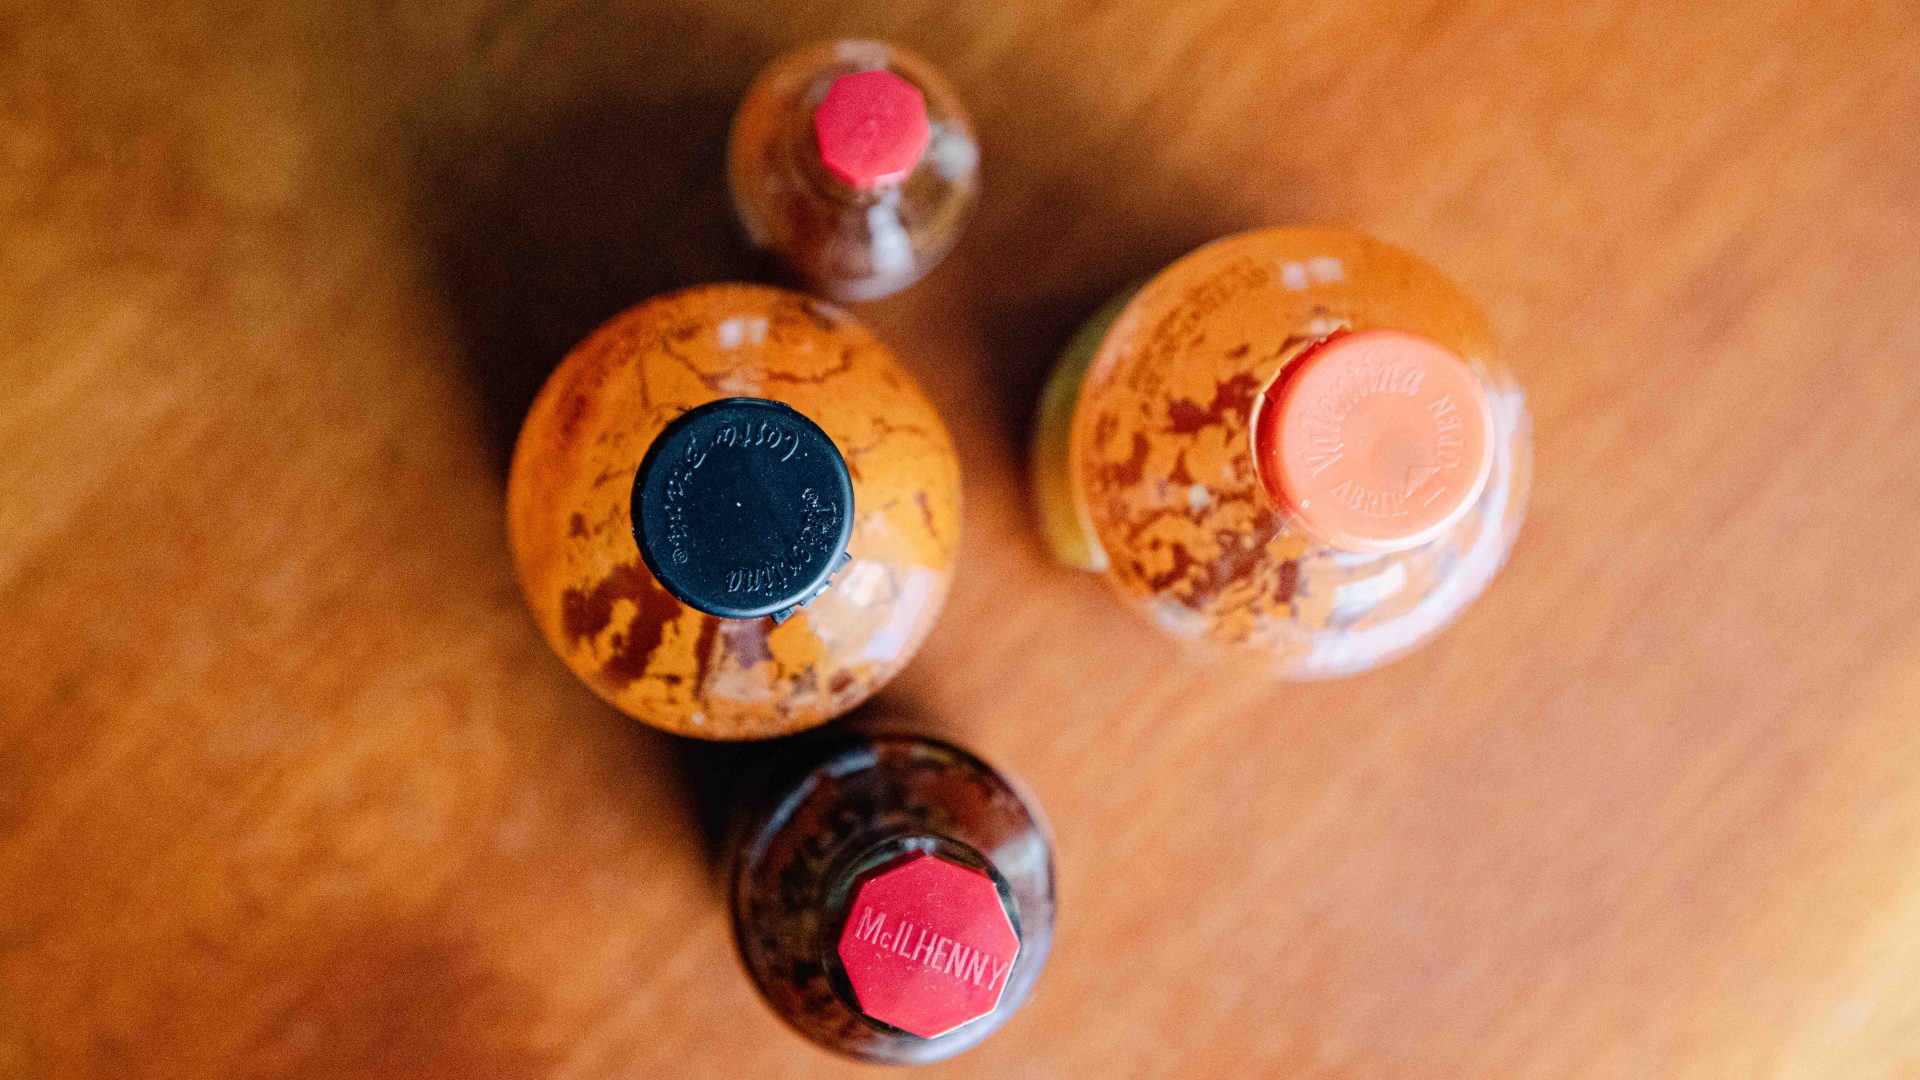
1375, 441
928, 945
872, 128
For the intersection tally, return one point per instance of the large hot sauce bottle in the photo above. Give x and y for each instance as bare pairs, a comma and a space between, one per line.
734, 514
1298, 440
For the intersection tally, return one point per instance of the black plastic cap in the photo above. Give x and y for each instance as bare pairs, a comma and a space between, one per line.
742, 508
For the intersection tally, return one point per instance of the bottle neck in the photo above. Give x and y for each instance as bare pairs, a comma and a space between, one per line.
861, 865
813, 177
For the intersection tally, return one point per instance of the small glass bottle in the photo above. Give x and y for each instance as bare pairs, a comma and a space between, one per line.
896, 902
1299, 440
853, 162
733, 513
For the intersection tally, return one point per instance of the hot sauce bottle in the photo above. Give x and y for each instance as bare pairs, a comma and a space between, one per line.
895, 900
733, 513
1297, 440
853, 162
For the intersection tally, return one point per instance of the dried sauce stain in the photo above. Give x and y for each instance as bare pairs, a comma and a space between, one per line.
1122, 474
926, 514
1168, 413
633, 649
885, 432
1289, 581
572, 409
1232, 398
1179, 474
712, 380
824, 319
1183, 564
845, 365
585, 613
805, 682
1194, 581
1104, 428
1185, 417
747, 643
704, 652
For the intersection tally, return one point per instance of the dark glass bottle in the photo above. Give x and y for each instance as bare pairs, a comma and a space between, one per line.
894, 901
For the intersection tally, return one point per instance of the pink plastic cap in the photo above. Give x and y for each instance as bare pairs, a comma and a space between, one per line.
872, 128
1375, 441
928, 945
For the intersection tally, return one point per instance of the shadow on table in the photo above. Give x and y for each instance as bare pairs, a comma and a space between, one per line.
731, 784
551, 238
1084, 211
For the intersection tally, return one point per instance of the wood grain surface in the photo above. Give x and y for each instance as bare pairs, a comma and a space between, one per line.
290, 786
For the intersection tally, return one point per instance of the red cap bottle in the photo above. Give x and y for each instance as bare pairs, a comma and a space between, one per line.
897, 903
853, 162
1300, 442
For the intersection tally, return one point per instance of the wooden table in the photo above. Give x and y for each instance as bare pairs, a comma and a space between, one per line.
290, 787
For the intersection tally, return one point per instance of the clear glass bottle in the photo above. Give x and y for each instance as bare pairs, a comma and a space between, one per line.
854, 163
733, 513
1296, 440
895, 900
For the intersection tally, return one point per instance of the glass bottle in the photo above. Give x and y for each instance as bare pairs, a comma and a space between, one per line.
1296, 440
854, 163
733, 513
896, 902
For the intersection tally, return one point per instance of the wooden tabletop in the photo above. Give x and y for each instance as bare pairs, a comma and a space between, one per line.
290, 786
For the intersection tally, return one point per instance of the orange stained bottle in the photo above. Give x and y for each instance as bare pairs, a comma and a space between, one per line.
733, 513
1295, 440
854, 163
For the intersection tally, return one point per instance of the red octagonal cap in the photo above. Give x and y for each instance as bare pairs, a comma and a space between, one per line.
871, 127
928, 945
